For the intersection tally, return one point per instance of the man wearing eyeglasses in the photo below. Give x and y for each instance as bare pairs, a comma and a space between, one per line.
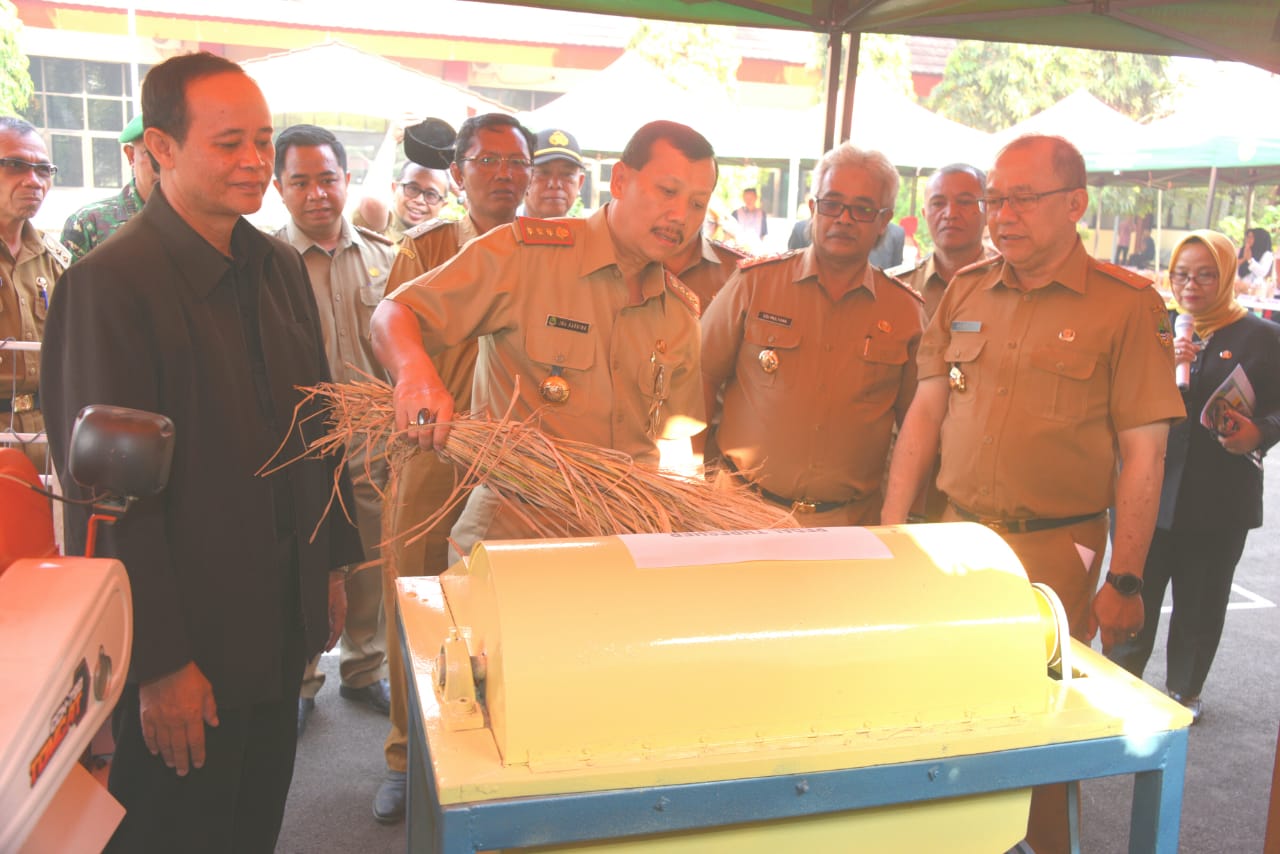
417, 196
814, 352
557, 175
30, 263
492, 162
1042, 373
952, 212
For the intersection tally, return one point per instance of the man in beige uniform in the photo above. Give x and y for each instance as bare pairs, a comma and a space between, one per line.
348, 268
1039, 367
491, 164
603, 340
955, 223
30, 263
703, 265
815, 352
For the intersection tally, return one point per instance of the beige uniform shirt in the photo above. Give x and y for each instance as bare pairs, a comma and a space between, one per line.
1050, 377
425, 247
547, 297
924, 277
706, 276
26, 283
348, 286
817, 426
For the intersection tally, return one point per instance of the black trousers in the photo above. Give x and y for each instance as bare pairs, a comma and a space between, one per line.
235, 803
1201, 565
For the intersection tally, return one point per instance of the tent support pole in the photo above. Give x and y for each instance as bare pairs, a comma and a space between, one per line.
793, 187
850, 83
1160, 226
1248, 208
835, 43
1213, 188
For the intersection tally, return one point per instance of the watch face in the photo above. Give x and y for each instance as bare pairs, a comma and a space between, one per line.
1125, 583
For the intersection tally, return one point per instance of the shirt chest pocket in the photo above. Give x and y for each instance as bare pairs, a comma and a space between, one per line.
1059, 384
770, 355
883, 360
562, 361
371, 291
964, 375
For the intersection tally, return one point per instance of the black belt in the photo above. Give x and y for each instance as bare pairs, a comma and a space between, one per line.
1024, 526
795, 505
20, 403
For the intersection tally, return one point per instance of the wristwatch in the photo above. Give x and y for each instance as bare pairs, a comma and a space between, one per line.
1125, 583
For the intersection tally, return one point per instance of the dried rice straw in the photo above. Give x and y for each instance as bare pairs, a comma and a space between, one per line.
561, 488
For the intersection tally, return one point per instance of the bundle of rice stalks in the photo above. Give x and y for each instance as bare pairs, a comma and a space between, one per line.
570, 489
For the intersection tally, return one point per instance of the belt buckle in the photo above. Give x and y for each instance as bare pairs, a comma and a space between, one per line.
23, 403
804, 506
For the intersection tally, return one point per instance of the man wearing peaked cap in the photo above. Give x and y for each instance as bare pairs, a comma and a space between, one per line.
97, 221
557, 175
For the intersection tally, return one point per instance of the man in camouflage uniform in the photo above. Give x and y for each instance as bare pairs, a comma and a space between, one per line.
30, 263
95, 222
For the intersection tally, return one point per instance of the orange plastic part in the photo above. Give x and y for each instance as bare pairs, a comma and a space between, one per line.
26, 526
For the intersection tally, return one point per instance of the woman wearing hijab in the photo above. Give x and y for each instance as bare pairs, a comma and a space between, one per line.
1256, 258
1212, 493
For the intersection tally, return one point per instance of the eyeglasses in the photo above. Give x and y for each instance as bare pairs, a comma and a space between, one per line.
412, 191
1202, 278
492, 161
860, 213
13, 166
1018, 202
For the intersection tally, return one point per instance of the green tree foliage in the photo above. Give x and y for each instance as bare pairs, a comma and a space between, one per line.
990, 85
685, 50
886, 56
15, 80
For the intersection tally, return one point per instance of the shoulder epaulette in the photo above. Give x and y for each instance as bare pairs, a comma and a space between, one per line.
979, 264
682, 292
424, 227
543, 232
728, 248
906, 268
1131, 278
760, 260
54, 247
375, 236
407, 239
895, 280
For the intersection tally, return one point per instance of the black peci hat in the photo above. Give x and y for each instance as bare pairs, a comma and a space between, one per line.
430, 143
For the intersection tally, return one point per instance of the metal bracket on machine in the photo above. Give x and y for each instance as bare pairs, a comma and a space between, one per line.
455, 685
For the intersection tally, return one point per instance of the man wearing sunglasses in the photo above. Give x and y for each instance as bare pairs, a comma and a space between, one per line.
1042, 373
492, 159
814, 352
30, 263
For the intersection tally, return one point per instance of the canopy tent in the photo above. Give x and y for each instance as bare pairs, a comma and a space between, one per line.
1238, 30
1082, 118
342, 79
911, 136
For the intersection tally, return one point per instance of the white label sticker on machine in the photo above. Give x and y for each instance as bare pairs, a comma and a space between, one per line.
698, 548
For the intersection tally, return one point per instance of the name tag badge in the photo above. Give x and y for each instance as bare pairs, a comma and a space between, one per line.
966, 326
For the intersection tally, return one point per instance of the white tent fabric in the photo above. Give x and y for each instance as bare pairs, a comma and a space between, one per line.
334, 77
605, 110
1080, 118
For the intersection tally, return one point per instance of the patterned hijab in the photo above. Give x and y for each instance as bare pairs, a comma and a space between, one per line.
1224, 310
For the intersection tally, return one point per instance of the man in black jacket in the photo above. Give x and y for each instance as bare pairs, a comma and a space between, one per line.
191, 312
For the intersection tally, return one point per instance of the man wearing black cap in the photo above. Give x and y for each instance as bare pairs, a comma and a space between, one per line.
491, 163
557, 175
95, 222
